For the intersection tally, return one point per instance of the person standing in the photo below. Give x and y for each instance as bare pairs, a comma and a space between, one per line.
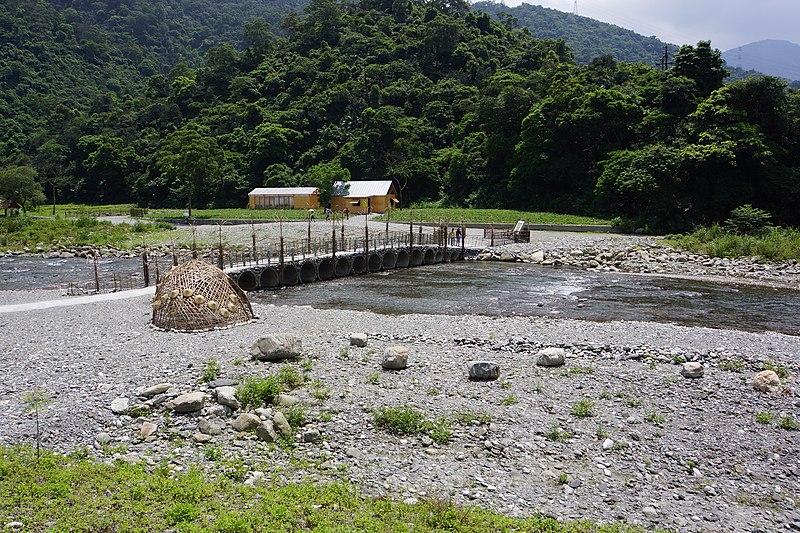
346, 213
311, 215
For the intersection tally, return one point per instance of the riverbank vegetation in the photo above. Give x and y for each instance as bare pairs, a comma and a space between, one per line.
46, 234
451, 104
775, 244
78, 494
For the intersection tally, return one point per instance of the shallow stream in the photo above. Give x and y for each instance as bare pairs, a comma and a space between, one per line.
484, 288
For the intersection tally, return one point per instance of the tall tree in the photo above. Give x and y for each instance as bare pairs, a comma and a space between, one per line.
190, 161
18, 184
702, 64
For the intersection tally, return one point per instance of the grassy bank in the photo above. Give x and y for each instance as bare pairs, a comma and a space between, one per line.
20, 233
775, 244
75, 494
499, 216
235, 214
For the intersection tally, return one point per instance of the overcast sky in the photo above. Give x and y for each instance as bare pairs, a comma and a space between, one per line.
727, 23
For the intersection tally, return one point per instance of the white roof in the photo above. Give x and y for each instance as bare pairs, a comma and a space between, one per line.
361, 189
283, 191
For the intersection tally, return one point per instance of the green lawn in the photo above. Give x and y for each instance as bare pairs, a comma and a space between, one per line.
235, 214
77, 494
499, 216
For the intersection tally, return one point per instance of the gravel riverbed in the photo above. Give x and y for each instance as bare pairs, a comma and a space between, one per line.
656, 448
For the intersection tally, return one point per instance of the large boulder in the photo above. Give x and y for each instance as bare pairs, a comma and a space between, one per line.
692, 370
767, 381
550, 357
246, 421
395, 358
189, 402
484, 370
276, 347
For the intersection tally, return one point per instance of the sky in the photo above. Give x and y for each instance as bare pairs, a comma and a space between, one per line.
726, 23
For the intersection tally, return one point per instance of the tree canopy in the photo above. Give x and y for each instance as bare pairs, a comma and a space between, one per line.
451, 104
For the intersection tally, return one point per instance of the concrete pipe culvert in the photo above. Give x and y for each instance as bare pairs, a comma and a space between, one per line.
308, 272
359, 264
344, 265
325, 269
429, 257
458, 255
403, 259
448, 256
290, 275
417, 257
389, 260
269, 278
247, 280
439, 257
374, 262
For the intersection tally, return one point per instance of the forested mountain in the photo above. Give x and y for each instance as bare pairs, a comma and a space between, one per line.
773, 57
447, 102
62, 56
587, 38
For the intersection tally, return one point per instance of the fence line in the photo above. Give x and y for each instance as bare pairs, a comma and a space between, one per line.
266, 252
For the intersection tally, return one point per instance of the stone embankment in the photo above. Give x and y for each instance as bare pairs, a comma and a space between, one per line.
573, 419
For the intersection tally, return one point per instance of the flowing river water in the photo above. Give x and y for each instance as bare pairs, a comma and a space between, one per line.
489, 288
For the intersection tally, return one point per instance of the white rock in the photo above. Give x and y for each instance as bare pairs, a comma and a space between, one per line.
550, 357
608, 444
120, 406
227, 396
692, 370
358, 339
149, 392
395, 358
767, 381
189, 402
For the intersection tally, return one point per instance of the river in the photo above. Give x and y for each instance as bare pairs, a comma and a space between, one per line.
488, 288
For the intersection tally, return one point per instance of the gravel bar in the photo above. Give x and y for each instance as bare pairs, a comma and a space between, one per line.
657, 449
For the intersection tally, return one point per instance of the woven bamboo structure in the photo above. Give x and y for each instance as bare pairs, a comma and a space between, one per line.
197, 296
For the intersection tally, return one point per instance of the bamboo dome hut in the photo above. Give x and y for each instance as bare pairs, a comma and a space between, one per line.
197, 296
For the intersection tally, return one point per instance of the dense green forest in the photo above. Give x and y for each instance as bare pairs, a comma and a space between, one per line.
586, 37
454, 105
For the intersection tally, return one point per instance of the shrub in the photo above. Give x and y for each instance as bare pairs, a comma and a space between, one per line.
764, 417
211, 371
748, 220
406, 420
290, 377
555, 434
296, 415
403, 420
788, 423
180, 513
255, 392
583, 408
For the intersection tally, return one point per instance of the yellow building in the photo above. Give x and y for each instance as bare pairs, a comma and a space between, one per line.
363, 196
283, 198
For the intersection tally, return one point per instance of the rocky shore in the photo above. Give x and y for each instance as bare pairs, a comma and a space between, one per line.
615, 433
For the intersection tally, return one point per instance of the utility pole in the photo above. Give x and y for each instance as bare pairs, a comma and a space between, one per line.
663, 62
